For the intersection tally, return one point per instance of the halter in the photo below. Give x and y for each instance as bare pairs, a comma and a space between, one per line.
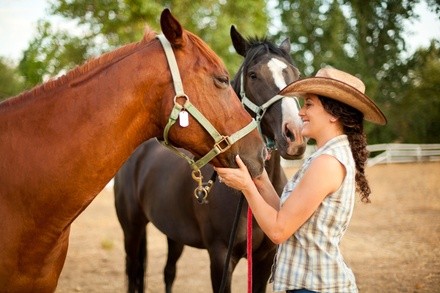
259, 111
222, 142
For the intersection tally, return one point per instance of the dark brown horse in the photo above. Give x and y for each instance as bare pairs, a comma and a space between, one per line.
61, 142
154, 185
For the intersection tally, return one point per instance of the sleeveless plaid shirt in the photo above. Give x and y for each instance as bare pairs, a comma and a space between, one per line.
311, 258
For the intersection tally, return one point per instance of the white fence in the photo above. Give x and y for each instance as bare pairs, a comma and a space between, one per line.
403, 153
388, 153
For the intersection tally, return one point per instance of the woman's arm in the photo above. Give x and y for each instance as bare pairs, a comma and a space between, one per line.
267, 191
323, 177
240, 179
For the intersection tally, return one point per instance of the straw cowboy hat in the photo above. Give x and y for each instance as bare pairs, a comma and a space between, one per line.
341, 86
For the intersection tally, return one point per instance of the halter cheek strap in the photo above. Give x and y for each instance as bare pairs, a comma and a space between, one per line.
260, 110
222, 142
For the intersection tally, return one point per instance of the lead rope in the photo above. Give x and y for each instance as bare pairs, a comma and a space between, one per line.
249, 248
231, 243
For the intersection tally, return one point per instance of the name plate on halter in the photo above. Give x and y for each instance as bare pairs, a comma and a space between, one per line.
183, 118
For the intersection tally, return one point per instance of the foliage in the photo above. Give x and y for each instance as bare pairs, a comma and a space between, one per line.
11, 83
361, 37
51, 53
417, 119
120, 22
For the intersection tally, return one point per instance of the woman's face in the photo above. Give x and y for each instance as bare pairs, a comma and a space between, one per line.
315, 119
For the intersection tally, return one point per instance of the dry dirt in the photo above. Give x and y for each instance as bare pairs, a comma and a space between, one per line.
392, 244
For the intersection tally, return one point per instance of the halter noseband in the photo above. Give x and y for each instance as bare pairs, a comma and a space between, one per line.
259, 111
222, 142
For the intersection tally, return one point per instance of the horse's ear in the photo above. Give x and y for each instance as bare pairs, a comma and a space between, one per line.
285, 46
239, 43
171, 28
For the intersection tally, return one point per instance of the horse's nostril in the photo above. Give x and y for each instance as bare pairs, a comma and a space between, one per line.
289, 134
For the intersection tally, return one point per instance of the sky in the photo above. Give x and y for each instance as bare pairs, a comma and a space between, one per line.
18, 19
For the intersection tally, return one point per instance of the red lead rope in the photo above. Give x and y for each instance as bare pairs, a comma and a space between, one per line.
249, 248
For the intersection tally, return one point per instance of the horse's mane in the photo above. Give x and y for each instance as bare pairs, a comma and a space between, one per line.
96, 65
90, 68
261, 45
209, 53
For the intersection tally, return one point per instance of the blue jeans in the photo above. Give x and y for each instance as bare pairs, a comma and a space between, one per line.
300, 291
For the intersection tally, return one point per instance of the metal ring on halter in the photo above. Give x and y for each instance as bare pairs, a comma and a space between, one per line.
201, 193
180, 96
197, 176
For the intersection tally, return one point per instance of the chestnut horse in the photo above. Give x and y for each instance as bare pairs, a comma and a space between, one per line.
61, 142
154, 185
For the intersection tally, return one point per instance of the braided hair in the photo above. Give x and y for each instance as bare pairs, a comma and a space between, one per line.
352, 122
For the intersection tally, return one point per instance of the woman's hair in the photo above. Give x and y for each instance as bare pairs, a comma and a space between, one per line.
352, 122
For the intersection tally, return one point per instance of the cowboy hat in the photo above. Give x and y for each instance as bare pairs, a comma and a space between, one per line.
341, 86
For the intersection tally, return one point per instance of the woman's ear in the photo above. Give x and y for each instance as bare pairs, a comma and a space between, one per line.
333, 119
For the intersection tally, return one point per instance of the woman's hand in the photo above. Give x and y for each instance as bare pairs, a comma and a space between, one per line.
238, 178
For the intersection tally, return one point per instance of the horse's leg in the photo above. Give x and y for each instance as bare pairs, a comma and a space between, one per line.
261, 268
217, 258
133, 223
175, 250
135, 256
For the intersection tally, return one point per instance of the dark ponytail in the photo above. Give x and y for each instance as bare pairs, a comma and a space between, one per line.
353, 127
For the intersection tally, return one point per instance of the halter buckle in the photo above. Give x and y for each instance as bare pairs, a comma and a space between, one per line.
223, 144
259, 113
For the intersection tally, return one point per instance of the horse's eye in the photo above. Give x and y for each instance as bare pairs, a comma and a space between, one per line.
252, 75
221, 81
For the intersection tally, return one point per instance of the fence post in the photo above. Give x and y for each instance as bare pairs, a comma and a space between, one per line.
388, 153
419, 153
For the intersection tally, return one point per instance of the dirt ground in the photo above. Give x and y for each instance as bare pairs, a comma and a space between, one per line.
392, 244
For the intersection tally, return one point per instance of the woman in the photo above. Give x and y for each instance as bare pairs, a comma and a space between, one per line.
310, 218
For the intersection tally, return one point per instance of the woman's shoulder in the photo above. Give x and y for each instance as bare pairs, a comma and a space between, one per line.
326, 168
340, 149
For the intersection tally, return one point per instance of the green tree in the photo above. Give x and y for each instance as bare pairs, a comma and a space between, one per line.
11, 83
361, 37
364, 38
417, 113
108, 24
50, 53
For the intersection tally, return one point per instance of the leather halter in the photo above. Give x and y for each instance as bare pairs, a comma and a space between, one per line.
222, 142
259, 111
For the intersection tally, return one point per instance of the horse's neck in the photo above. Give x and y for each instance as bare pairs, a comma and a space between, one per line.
75, 136
275, 172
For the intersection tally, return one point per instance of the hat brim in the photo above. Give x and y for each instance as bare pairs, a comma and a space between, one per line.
339, 91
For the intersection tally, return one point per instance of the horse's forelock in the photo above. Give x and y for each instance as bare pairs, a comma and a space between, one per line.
149, 34
261, 46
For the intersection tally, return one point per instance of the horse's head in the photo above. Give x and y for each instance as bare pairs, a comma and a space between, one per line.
206, 86
266, 70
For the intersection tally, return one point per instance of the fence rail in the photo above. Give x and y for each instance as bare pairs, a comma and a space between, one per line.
388, 153
403, 153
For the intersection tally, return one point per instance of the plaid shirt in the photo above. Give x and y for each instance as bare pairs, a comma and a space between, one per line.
311, 258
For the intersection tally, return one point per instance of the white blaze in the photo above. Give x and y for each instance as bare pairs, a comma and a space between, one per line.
289, 105
276, 66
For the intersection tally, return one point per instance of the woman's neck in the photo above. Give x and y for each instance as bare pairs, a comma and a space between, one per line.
329, 133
